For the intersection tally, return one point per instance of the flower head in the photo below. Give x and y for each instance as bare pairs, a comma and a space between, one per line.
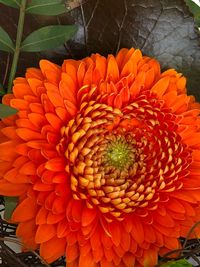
104, 156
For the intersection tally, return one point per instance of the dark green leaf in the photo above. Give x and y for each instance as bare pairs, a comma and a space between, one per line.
10, 204
48, 37
178, 263
46, 7
163, 29
11, 3
2, 92
195, 9
6, 43
6, 111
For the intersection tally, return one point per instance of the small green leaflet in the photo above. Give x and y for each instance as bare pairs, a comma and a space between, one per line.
10, 204
178, 263
46, 7
6, 111
48, 37
6, 43
195, 9
11, 3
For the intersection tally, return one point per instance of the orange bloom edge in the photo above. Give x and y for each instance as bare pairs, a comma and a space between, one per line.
104, 155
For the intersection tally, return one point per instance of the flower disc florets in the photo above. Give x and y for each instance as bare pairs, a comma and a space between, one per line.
119, 153
104, 157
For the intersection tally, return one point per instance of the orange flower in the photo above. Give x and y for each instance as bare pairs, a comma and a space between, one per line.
104, 154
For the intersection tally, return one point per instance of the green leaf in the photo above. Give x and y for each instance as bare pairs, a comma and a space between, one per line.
2, 92
11, 3
195, 9
178, 263
46, 7
6, 111
6, 43
48, 37
10, 204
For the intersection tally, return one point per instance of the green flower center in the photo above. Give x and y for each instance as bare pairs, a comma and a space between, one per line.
119, 153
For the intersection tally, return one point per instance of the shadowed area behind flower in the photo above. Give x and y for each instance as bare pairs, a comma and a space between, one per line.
104, 156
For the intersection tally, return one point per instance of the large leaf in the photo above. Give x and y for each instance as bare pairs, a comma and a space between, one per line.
6, 111
195, 9
46, 7
12, 3
6, 43
48, 37
10, 204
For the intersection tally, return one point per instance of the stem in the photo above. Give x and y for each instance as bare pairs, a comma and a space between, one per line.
20, 28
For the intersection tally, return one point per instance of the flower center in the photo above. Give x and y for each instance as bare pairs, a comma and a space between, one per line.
118, 153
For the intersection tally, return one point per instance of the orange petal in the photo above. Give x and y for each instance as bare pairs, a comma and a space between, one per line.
161, 86
150, 257
63, 228
115, 231
28, 168
34, 73
37, 119
26, 229
112, 69
137, 231
41, 217
11, 189
21, 89
88, 216
27, 134
4, 167
164, 220
35, 85
125, 241
175, 205
184, 195
45, 232
72, 252
193, 140
63, 114
86, 261
54, 95
13, 176
7, 151
171, 243
54, 218
19, 104
101, 65
25, 211
36, 108
53, 249
55, 164
97, 253
68, 90
121, 56
10, 132
105, 263
50, 70
129, 259
149, 233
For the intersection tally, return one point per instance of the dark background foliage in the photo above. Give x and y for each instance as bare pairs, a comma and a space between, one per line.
163, 29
